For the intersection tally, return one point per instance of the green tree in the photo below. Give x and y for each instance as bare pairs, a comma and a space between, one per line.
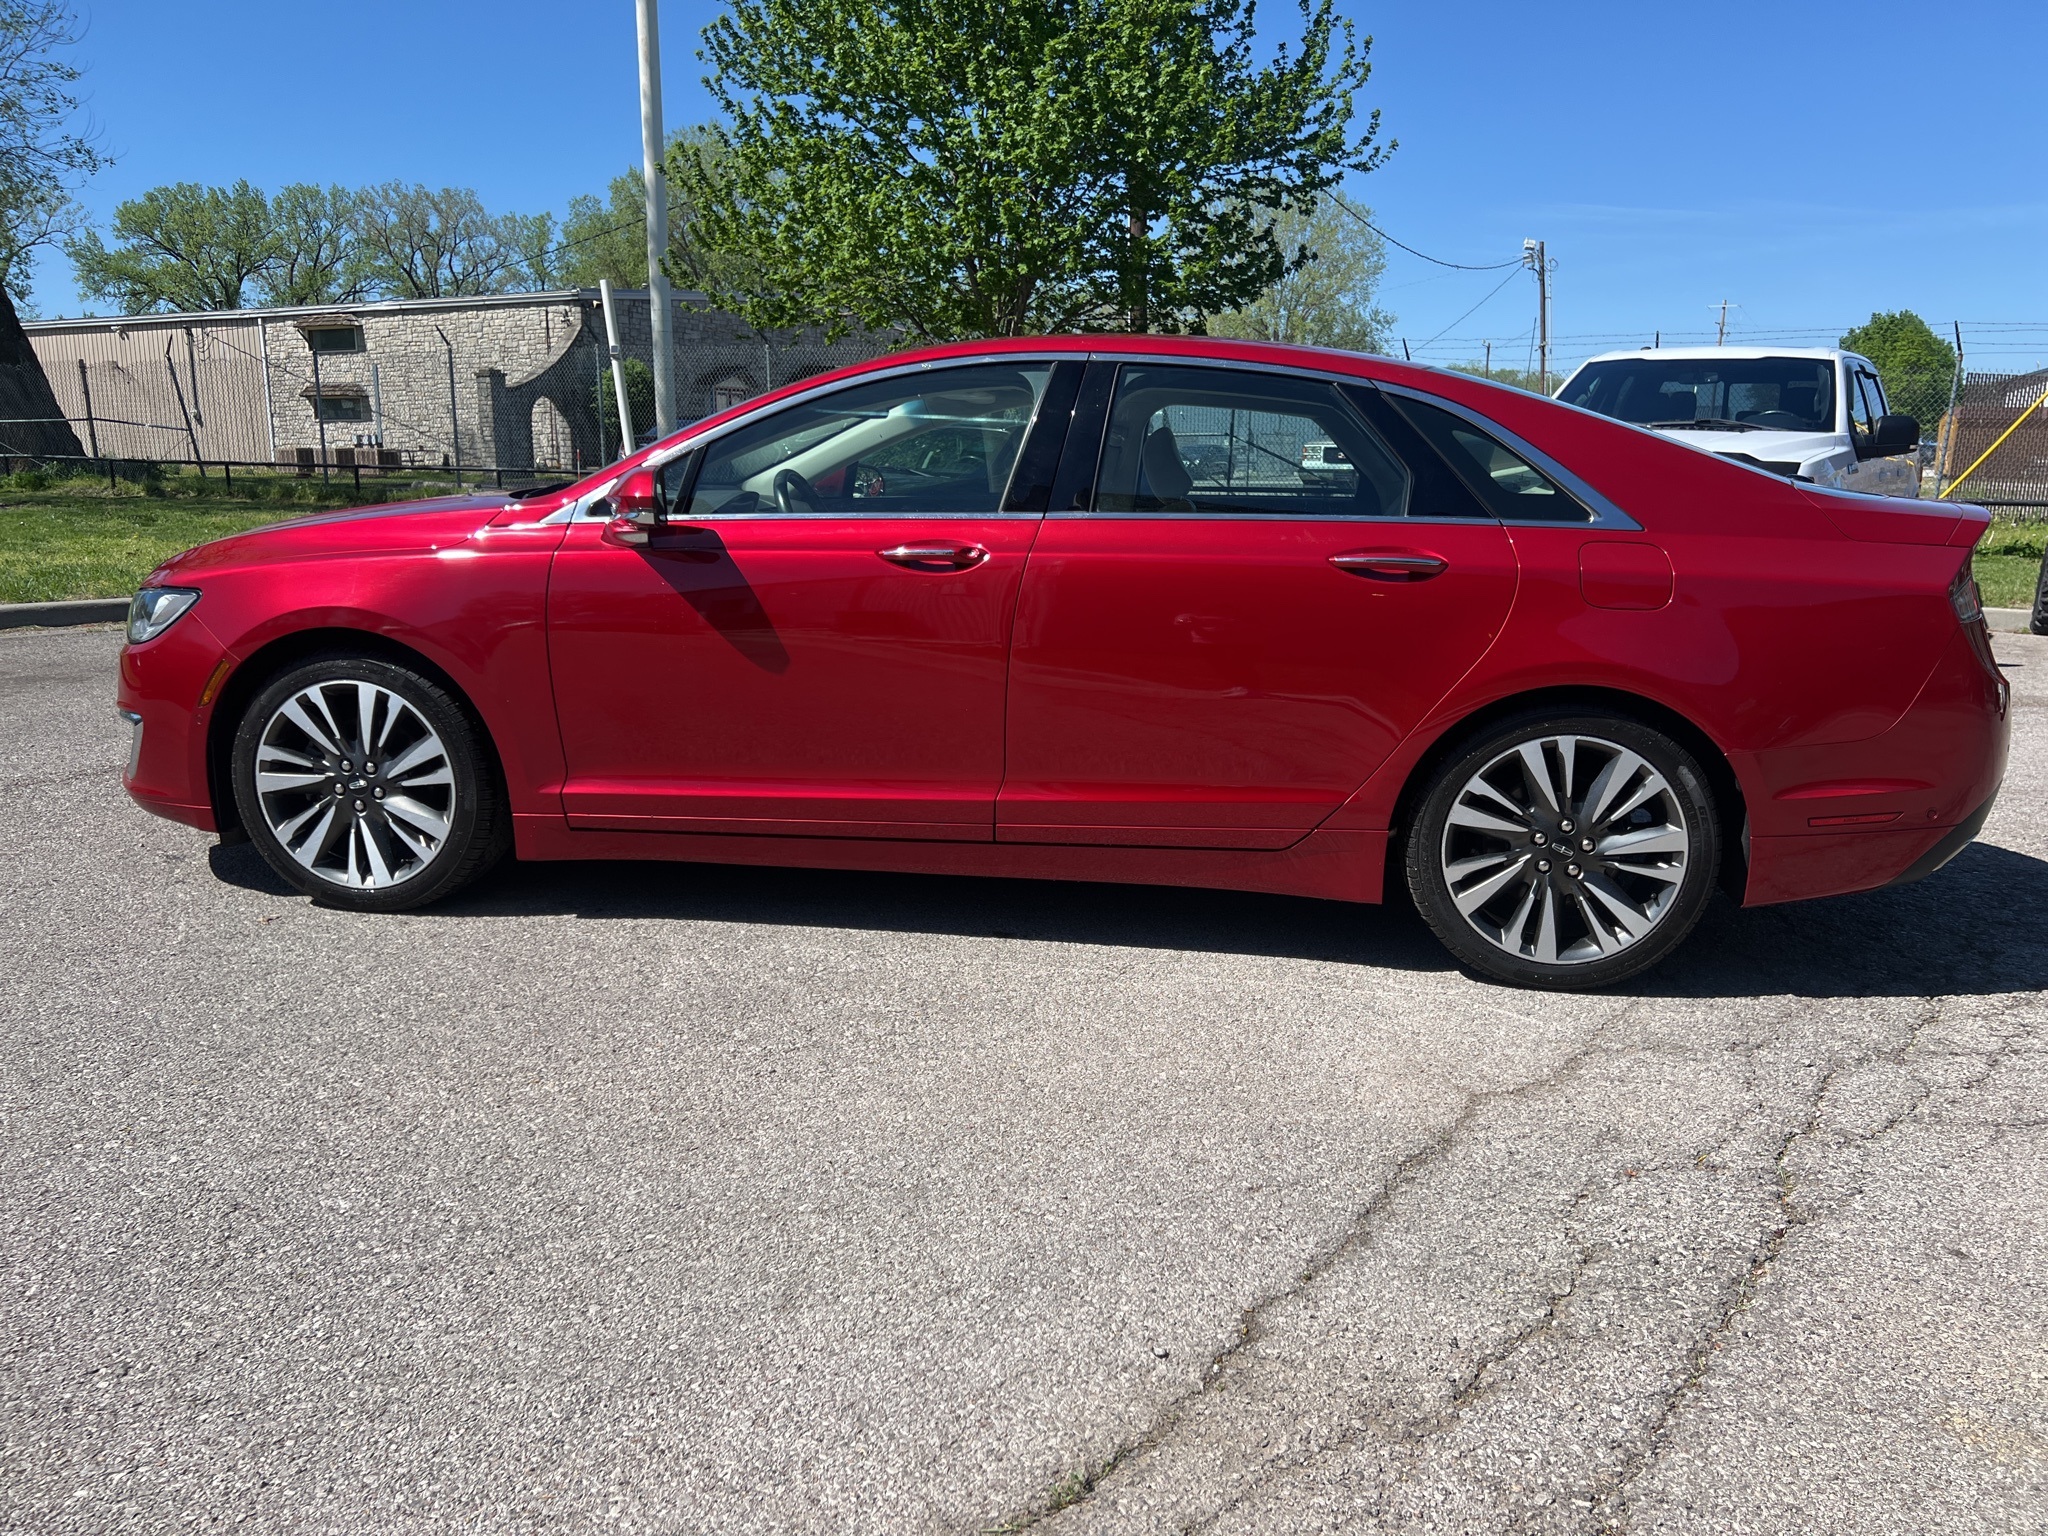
182, 247
41, 160
314, 256
1915, 364
421, 244
606, 237
956, 168
1326, 299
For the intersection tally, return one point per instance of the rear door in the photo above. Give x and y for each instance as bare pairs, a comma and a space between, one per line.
1214, 649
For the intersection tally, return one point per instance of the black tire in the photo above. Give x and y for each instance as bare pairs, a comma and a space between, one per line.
1610, 912
430, 736
2039, 623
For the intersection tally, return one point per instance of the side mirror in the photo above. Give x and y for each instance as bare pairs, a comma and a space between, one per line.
636, 509
1894, 434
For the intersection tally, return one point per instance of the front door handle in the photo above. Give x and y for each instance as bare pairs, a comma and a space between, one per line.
1389, 565
935, 557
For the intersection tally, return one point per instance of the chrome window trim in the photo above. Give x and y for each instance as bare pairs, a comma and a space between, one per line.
1606, 515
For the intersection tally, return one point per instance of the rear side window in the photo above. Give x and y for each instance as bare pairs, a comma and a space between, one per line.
1516, 490
1218, 442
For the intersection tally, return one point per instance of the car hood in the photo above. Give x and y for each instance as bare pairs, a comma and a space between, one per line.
380, 530
1770, 447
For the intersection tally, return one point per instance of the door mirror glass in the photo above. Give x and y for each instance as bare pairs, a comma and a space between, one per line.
939, 440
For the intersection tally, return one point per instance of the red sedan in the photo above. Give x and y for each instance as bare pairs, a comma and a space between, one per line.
1072, 608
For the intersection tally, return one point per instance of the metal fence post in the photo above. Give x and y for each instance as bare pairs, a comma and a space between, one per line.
454, 421
319, 420
1947, 434
178, 390
92, 435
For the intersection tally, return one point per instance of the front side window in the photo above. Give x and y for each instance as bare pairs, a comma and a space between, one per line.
924, 442
1514, 489
1219, 442
1778, 394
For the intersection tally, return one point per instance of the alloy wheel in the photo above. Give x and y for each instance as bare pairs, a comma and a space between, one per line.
355, 784
1565, 850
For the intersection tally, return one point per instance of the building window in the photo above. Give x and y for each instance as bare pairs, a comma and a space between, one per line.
334, 338
341, 408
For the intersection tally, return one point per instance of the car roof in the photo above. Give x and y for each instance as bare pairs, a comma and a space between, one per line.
1689, 354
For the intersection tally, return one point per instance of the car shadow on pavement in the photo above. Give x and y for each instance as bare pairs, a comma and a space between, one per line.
1978, 926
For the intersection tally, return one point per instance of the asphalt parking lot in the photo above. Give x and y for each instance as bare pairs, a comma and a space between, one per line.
658, 1198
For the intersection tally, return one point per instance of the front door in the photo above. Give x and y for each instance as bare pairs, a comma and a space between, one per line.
815, 642
1262, 599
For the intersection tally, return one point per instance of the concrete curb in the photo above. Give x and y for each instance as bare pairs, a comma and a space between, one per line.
2009, 621
92, 610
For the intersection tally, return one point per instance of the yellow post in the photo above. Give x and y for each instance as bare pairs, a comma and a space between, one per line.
2008, 432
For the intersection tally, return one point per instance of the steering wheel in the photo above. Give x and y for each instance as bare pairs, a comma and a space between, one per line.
790, 488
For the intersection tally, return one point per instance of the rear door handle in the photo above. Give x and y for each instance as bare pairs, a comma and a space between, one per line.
1389, 565
935, 557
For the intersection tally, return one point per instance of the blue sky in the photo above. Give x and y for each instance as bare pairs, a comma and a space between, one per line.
1807, 163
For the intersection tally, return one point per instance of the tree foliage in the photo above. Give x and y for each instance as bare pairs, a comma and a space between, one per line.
184, 247
1914, 363
42, 156
954, 168
422, 244
1326, 297
188, 247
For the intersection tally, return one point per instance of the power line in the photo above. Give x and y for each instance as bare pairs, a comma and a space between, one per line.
1456, 266
1439, 336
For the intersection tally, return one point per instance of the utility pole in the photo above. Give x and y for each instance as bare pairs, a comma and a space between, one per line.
1721, 331
657, 218
1533, 256
1489, 359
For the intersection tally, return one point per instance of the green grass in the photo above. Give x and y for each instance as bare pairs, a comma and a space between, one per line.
2008, 563
75, 537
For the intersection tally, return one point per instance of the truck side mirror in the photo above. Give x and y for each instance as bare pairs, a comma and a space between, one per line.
1894, 434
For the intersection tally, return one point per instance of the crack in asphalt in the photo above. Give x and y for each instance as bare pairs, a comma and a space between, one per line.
1611, 1512
1080, 1486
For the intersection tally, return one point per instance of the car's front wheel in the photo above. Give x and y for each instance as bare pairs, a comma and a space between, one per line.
364, 784
1565, 852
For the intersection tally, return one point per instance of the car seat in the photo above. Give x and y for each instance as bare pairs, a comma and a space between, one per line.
1162, 477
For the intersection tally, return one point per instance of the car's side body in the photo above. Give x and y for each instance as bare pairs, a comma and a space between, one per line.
1142, 697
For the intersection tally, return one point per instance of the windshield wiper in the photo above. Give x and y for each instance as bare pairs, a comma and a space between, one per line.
1710, 424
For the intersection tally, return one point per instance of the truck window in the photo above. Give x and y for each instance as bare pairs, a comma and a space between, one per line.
1861, 424
1784, 394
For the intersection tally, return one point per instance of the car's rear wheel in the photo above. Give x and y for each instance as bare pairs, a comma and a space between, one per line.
365, 784
1565, 852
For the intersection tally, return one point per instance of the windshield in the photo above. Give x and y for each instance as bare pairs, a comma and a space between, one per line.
1756, 394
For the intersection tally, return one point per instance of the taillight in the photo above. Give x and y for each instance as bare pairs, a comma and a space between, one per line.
1964, 597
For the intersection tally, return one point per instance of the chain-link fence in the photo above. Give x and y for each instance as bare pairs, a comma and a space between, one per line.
463, 388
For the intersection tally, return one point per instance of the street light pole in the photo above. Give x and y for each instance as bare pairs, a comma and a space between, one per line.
657, 217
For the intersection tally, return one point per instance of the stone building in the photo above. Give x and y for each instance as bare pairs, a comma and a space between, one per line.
508, 382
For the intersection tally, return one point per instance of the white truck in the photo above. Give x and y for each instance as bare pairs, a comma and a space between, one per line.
1810, 413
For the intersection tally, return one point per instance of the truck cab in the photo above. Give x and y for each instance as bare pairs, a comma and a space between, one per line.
1809, 413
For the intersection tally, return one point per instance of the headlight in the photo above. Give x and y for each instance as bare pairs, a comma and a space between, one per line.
156, 609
